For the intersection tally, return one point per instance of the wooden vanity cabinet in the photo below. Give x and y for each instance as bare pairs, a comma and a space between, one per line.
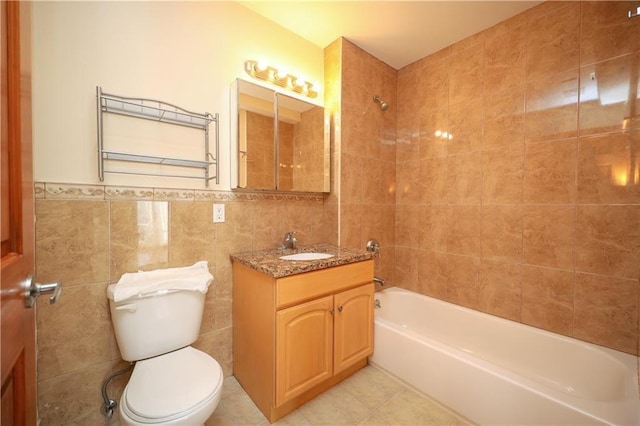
294, 337
304, 347
352, 326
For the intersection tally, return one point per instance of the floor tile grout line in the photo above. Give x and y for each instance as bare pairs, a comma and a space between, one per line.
371, 412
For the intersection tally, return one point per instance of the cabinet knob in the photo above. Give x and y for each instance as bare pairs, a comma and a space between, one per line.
340, 308
332, 311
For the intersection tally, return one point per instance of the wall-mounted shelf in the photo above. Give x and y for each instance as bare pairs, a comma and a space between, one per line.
162, 112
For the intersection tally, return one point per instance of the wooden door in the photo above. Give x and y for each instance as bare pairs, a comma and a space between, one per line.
304, 348
353, 324
17, 322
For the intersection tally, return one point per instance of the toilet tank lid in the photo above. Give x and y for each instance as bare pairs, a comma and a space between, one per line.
111, 292
195, 277
170, 384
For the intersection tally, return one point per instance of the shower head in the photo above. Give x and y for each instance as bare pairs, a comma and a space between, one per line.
383, 105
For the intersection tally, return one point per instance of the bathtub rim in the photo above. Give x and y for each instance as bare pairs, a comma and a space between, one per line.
603, 411
629, 361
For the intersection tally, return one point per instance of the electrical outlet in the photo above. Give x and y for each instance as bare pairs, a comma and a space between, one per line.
218, 213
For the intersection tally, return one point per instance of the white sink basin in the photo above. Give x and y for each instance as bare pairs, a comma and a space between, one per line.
306, 256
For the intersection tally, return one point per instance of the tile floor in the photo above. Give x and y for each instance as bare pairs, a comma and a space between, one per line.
369, 397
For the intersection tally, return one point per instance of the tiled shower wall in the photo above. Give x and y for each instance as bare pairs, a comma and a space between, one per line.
367, 154
87, 236
517, 172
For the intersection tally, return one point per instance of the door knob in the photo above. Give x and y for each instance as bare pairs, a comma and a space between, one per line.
33, 290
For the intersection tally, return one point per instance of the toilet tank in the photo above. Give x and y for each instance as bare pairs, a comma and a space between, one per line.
156, 323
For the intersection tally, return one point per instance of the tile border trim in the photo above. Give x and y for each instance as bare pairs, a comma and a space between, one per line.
70, 191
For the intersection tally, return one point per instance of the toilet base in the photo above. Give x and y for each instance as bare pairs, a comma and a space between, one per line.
197, 417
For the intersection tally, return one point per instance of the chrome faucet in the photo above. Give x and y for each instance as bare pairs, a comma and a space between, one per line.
289, 241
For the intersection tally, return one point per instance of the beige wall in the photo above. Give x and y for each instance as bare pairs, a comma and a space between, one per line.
87, 236
184, 53
532, 210
516, 215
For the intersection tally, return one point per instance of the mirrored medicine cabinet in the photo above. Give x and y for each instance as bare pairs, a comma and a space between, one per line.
278, 142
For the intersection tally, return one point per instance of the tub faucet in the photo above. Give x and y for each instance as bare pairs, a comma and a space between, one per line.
289, 240
379, 281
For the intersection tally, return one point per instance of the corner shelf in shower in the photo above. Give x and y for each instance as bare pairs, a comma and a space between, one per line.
162, 112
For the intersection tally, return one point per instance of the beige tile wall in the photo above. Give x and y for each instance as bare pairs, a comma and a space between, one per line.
260, 153
308, 146
285, 156
332, 101
299, 147
367, 154
86, 237
531, 211
520, 215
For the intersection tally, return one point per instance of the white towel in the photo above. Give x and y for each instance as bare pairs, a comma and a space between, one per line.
195, 277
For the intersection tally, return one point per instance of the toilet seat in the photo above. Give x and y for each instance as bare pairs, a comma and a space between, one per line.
171, 386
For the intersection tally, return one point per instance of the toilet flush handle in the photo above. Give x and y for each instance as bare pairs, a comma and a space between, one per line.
129, 307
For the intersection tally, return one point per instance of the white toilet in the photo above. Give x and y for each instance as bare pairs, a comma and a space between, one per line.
172, 383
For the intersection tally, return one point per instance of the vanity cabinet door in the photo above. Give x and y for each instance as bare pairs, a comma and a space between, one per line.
304, 347
353, 338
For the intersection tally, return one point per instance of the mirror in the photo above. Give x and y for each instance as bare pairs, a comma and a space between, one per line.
278, 142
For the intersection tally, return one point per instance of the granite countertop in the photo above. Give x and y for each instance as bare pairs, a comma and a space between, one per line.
269, 262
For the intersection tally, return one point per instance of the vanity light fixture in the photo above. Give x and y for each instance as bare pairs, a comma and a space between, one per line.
280, 78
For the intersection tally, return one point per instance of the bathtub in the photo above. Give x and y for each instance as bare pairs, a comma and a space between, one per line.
495, 371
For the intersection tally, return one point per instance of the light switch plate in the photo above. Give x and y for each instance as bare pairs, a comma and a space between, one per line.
218, 213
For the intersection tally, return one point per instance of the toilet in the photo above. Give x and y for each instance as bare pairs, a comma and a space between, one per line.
172, 383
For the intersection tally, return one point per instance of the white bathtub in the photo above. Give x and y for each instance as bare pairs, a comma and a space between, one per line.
496, 371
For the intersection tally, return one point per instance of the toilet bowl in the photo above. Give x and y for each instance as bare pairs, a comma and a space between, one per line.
155, 323
178, 388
